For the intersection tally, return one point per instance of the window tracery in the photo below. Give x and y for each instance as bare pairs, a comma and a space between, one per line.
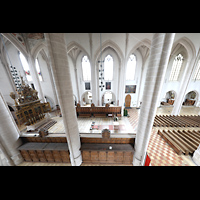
176, 68
197, 72
108, 68
25, 66
131, 65
86, 69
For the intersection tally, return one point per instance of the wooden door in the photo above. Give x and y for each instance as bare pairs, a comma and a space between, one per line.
128, 100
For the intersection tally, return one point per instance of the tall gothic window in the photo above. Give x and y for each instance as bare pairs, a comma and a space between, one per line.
86, 69
131, 65
108, 68
38, 69
197, 72
25, 66
176, 68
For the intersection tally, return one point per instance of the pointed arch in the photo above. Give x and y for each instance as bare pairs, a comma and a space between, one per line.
114, 46
146, 43
37, 48
73, 45
189, 46
16, 43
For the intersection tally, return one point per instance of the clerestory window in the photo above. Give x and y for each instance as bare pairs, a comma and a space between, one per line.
25, 66
38, 69
197, 72
131, 65
108, 68
86, 69
176, 68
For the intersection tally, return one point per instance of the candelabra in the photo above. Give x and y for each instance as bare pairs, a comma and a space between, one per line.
101, 78
101, 70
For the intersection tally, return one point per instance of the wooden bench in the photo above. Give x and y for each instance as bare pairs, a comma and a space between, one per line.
176, 147
97, 111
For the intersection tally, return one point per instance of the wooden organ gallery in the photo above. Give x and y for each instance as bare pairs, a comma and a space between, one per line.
29, 109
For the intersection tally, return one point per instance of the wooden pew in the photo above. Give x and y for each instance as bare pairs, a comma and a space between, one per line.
181, 140
176, 147
176, 121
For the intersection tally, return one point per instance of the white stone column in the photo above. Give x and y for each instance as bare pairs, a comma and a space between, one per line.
159, 55
196, 156
57, 50
9, 135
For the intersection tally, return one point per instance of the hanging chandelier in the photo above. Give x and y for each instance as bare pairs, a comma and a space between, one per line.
101, 69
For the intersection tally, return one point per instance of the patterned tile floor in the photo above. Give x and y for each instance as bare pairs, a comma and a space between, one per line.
160, 153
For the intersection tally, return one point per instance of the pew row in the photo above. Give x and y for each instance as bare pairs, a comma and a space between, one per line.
176, 121
97, 111
181, 141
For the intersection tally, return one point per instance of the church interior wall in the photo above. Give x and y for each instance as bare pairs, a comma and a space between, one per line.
5, 85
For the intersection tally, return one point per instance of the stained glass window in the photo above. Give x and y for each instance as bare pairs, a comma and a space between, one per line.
38, 69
